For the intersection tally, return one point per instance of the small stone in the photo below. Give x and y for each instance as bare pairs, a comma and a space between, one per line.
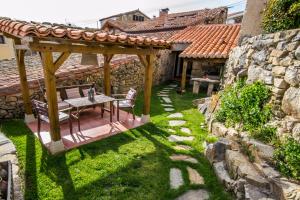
177, 122
176, 115
291, 76
184, 158
200, 194
169, 109
219, 129
176, 179
286, 62
167, 99
278, 71
222, 174
297, 53
278, 53
195, 177
176, 138
186, 130
280, 83
183, 148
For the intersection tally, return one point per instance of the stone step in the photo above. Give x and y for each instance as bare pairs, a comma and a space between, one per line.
176, 138
169, 109
185, 158
200, 194
186, 130
194, 177
176, 115
167, 105
173, 85
171, 130
183, 148
163, 95
222, 174
167, 99
176, 179
177, 123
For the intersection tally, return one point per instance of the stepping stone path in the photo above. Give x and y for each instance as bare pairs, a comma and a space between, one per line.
177, 123
186, 130
200, 194
195, 177
183, 147
185, 158
176, 115
177, 138
176, 179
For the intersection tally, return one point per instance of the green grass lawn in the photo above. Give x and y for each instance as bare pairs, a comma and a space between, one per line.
132, 165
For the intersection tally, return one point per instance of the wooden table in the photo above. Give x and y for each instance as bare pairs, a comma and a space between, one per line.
197, 83
83, 102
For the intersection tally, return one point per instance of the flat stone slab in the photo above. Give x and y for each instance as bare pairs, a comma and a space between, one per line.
200, 194
195, 177
183, 148
177, 138
167, 105
184, 158
167, 99
186, 130
163, 95
3, 139
172, 85
7, 148
171, 130
176, 179
176, 115
169, 109
177, 123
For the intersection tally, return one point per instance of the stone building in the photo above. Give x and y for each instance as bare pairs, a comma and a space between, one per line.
235, 18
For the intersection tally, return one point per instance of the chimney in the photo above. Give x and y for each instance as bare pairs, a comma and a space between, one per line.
163, 12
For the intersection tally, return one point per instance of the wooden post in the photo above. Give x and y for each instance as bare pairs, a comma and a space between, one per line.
183, 75
50, 83
20, 56
148, 85
107, 84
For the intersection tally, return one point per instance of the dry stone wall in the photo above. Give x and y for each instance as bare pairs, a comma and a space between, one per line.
273, 59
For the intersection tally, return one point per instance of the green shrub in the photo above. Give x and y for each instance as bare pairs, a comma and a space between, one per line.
287, 158
281, 15
245, 105
266, 134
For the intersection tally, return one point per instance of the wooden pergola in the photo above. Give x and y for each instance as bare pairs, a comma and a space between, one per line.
47, 39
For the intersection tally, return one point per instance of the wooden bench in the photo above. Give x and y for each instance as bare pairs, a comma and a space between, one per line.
197, 82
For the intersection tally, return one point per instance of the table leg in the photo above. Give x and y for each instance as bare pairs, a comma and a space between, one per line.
102, 110
118, 113
78, 119
210, 89
111, 105
196, 87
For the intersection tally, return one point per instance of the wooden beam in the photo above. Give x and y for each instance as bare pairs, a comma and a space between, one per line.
61, 59
106, 67
75, 48
20, 56
50, 83
143, 60
148, 83
183, 75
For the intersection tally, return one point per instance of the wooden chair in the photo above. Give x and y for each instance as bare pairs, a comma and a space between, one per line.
127, 102
41, 110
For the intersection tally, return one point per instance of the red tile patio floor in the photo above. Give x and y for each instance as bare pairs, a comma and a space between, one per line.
93, 128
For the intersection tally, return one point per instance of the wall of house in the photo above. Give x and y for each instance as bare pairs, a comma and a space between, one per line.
123, 76
6, 50
210, 66
273, 59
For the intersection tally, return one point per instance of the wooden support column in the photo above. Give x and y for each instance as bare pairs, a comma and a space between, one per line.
106, 67
50, 83
148, 62
20, 56
183, 75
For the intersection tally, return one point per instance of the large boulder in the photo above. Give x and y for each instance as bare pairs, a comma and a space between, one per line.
291, 102
216, 152
257, 73
283, 189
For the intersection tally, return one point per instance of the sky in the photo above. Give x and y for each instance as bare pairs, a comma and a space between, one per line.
86, 13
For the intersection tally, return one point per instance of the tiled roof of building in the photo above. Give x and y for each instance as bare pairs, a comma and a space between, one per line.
208, 41
125, 13
71, 69
44, 30
181, 20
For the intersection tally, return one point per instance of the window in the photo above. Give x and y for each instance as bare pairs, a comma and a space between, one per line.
141, 18
138, 18
2, 40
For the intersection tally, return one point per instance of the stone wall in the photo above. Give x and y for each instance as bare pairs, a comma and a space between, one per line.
124, 74
273, 59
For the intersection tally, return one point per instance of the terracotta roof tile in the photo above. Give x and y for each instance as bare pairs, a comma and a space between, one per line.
208, 41
42, 30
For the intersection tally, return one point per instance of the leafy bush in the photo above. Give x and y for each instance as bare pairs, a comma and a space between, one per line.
281, 15
245, 105
266, 134
287, 158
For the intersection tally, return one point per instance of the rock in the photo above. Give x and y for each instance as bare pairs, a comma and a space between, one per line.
162, 95
219, 129
167, 99
194, 177
176, 179
173, 85
292, 46
257, 73
296, 132
199, 194
7, 148
286, 62
3, 139
291, 102
222, 174
254, 193
297, 53
291, 76
278, 71
169, 109
283, 189
232, 132
176, 115
280, 83
176, 138
264, 151
278, 91
186, 130
260, 56
184, 158
278, 53
216, 152
177, 122
183, 148
167, 105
